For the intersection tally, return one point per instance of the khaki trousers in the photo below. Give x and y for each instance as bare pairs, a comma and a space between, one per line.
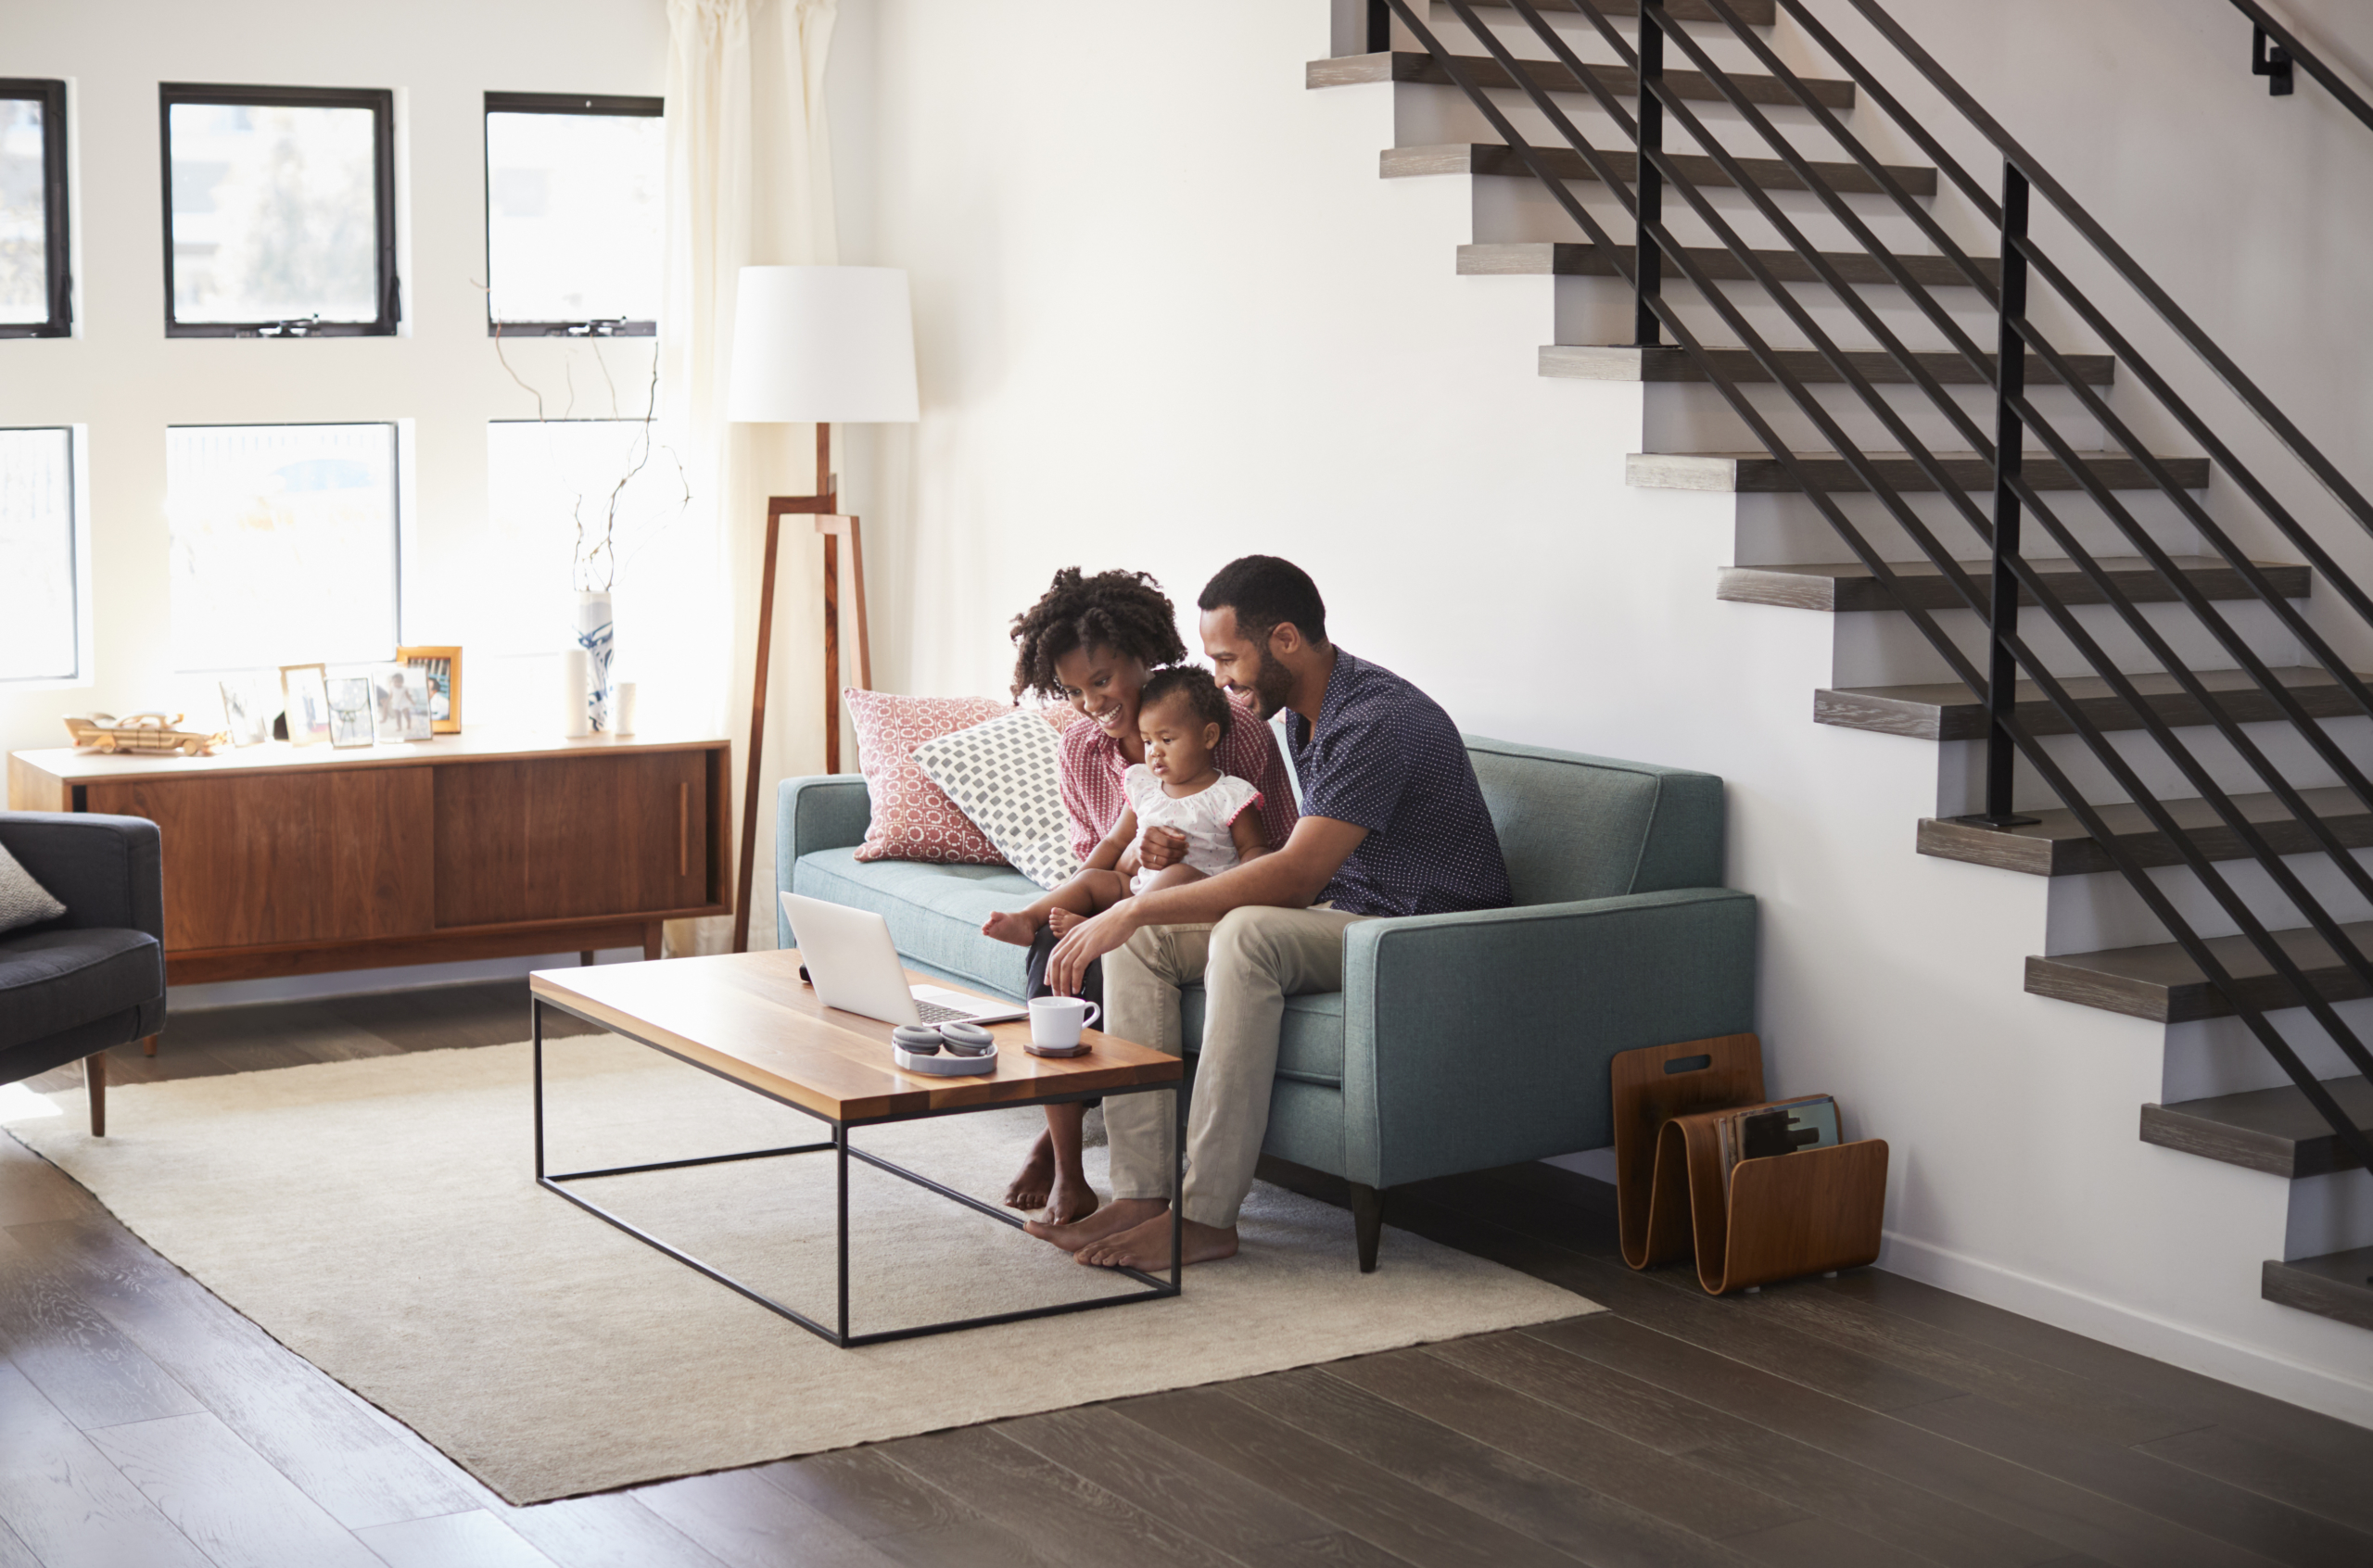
1248, 963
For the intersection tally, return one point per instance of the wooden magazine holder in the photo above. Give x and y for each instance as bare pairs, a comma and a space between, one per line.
1814, 1211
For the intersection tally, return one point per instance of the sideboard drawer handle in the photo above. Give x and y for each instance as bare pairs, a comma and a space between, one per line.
683, 829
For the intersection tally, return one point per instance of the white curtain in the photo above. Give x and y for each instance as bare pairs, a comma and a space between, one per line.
749, 182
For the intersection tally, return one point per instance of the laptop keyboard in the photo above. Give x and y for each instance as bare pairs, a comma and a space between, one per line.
934, 1014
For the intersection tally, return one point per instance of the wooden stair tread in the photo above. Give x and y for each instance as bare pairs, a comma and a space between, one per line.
1949, 711
1566, 258
2058, 846
2336, 1285
2274, 1131
1760, 472
2161, 983
1344, 70
1591, 361
1495, 158
1846, 586
1755, 13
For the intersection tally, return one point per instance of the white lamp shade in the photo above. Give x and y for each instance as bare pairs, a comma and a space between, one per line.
823, 345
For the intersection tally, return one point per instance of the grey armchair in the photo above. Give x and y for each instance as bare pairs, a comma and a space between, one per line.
93, 979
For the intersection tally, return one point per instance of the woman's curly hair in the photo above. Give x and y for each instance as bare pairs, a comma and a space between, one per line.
1126, 611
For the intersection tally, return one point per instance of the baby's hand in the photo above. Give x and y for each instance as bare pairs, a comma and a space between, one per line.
1011, 925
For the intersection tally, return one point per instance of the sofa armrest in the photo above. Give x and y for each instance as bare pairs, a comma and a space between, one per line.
827, 811
1482, 1038
108, 871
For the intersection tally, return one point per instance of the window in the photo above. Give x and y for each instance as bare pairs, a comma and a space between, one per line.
575, 212
35, 300
40, 632
283, 544
280, 211
551, 486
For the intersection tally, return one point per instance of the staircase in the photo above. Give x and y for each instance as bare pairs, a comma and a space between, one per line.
2152, 723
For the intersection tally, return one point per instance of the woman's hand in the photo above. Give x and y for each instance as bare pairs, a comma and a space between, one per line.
1160, 847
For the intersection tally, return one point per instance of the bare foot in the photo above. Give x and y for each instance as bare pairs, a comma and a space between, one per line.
1147, 1246
1071, 1201
1060, 921
1113, 1218
1030, 1189
1010, 925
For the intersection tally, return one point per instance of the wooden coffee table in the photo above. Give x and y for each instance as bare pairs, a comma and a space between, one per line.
750, 1019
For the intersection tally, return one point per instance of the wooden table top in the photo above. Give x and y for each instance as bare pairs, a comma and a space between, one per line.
749, 1017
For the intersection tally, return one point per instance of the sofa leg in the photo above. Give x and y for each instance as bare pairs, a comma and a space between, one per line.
149, 1046
1367, 1219
95, 1079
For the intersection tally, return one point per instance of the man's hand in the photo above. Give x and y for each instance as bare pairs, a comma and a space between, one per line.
1161, 846
1084, 944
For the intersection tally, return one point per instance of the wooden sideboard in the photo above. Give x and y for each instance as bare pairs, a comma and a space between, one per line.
286, 860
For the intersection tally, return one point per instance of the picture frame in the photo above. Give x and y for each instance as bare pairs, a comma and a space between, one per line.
443, 669
304, 691
352, 712
399, 703
247, 709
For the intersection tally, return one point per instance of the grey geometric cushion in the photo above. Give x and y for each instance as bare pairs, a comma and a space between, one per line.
1006, 775
24, 901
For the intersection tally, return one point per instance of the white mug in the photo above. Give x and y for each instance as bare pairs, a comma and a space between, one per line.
1056, 1022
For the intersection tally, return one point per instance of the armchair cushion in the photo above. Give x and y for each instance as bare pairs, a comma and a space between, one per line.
23, 901
55, 981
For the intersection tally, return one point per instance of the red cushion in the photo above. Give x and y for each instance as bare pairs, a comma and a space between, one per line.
913, 818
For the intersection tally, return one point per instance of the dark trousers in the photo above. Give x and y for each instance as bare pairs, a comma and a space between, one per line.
1091, 985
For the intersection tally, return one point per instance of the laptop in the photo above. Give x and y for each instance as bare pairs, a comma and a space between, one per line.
853, 965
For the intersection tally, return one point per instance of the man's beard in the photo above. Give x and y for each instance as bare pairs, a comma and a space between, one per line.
1272, 686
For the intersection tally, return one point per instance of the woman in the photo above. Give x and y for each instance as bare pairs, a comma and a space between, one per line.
1092, 640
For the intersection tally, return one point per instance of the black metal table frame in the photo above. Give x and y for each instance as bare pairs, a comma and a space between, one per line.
1159, 1289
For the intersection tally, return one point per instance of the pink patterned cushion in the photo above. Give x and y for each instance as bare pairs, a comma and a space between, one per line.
913, 818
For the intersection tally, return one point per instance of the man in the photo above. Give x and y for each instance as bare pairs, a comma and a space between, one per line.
1392, 823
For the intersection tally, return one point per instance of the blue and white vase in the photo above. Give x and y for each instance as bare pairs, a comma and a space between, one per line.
597, 634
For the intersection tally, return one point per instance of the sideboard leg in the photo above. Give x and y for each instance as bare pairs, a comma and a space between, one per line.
149, 1046
585, 958
655, 940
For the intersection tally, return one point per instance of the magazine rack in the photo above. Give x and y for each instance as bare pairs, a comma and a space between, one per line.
1814, 1211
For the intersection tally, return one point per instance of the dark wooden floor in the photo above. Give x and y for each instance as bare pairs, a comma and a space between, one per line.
1867, 1420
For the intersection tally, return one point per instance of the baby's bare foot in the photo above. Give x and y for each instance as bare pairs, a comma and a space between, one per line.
1060, 921
1010, 925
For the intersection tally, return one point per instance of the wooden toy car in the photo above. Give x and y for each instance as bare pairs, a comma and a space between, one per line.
145, 733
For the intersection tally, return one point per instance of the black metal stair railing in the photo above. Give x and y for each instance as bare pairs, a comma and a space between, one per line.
1655, 254
2276, 53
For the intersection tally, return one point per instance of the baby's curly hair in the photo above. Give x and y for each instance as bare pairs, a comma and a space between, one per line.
1203, 694
1126, 611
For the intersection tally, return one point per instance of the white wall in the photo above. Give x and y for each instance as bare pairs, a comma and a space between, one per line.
1167, 314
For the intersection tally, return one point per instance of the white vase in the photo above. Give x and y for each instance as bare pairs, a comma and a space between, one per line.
597, 634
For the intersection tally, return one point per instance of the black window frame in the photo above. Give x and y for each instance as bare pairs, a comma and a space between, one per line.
75, 565
381, 102
60, 283
624, 106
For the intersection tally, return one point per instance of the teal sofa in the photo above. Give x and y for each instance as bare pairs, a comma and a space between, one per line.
1458, 1041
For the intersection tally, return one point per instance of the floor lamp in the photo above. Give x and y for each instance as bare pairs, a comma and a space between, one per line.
820, 346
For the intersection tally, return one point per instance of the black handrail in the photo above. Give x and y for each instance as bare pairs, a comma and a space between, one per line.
2010, 575
2274, 50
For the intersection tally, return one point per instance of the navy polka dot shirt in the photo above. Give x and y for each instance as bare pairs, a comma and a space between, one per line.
1385, 757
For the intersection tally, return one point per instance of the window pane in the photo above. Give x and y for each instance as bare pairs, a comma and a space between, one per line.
573, 216
24, 223
283, 544
542, 482
37, 598
276, 213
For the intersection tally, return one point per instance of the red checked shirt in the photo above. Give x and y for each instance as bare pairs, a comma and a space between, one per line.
1092, 765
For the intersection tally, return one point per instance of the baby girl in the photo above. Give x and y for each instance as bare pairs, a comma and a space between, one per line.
1183, 716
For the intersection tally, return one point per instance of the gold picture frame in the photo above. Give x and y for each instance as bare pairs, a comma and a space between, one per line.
443, 667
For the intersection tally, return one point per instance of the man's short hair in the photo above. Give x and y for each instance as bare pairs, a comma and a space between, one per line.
1266, 592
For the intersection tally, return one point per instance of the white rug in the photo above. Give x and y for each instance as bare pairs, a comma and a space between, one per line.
379, 1216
